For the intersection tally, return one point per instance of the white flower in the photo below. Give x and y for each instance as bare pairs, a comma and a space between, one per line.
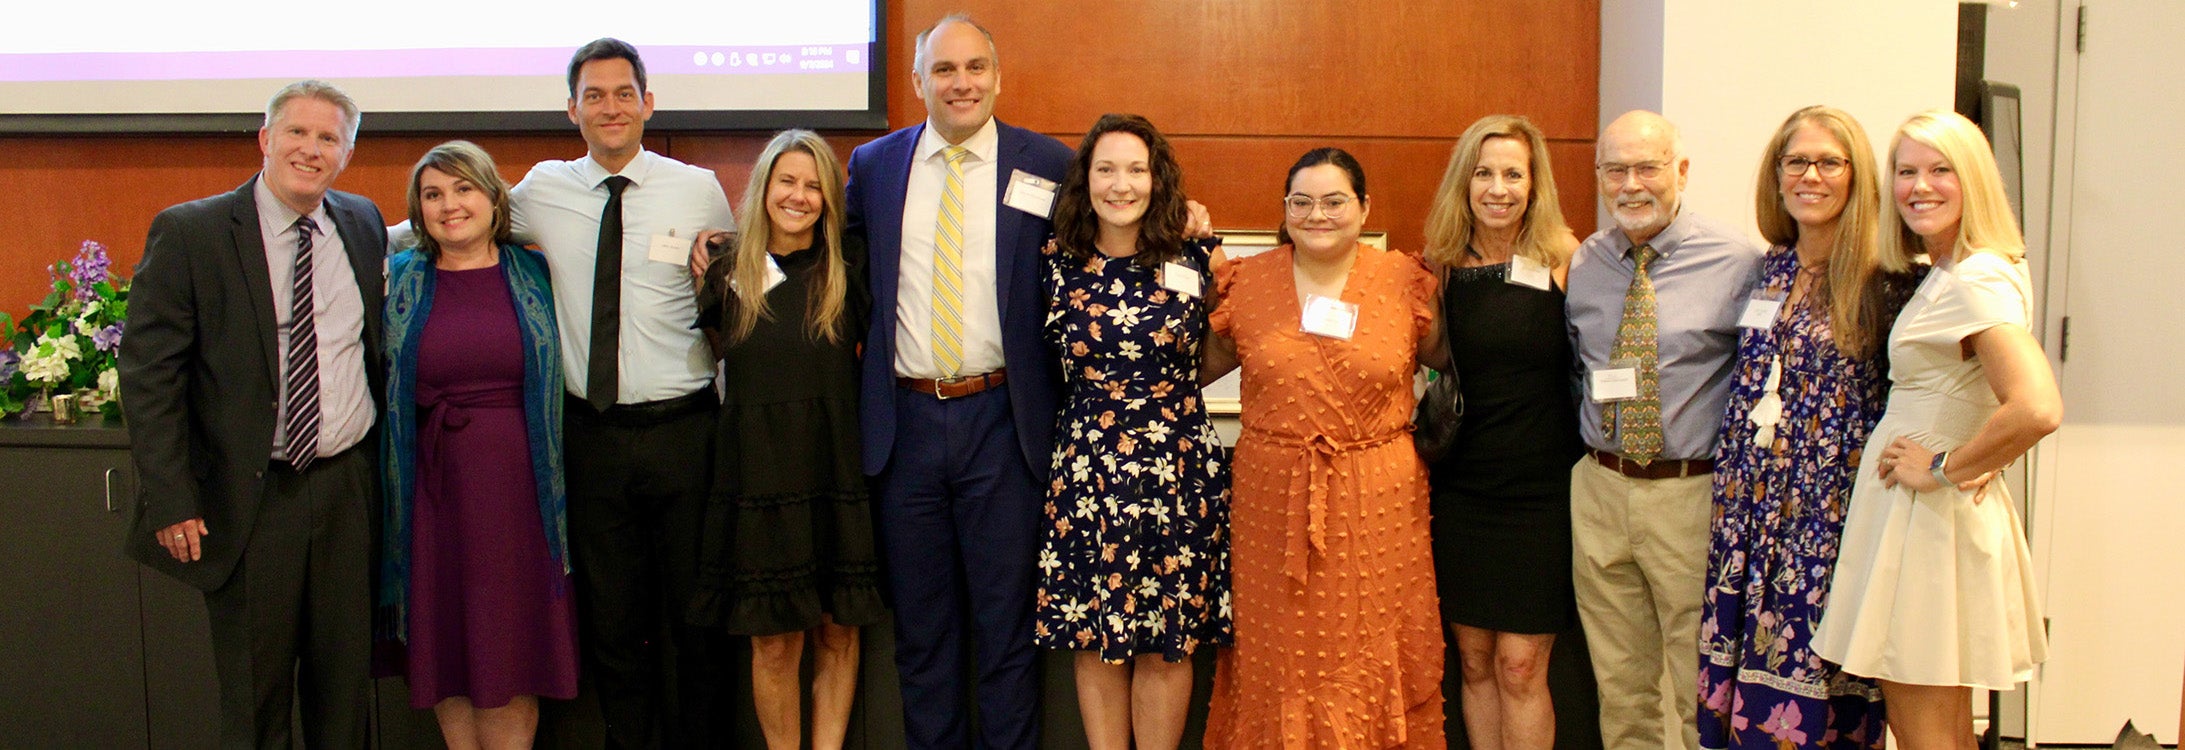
1073, 611
44, 366
1048, 561
110, 382
65, 347
1129, 350
89, 309
1125, 316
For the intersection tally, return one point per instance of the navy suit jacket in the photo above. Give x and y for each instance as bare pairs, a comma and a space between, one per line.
199, 374
879, 177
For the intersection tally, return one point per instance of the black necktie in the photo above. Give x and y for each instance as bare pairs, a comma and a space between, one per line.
301, 389
602, 384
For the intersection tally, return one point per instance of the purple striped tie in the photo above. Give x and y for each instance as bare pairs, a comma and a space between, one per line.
301, 389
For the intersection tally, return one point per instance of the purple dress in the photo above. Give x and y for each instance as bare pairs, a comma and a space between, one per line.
491, 614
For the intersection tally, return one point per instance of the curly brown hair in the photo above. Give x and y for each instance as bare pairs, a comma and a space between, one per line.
1160, 232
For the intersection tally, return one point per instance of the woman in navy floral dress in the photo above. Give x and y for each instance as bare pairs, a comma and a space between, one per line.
1810, 385
1134, 572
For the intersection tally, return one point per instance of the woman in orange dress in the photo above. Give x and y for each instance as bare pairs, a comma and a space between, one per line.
1337, 639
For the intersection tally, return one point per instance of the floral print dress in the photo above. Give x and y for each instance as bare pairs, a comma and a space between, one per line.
1800, 411
1136, 555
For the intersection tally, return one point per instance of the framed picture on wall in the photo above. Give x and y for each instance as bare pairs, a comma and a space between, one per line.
1223, 397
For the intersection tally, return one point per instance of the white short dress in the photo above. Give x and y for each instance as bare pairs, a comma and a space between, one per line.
1931, 588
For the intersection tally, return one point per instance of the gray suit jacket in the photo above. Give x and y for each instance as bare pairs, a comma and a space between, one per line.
199, 370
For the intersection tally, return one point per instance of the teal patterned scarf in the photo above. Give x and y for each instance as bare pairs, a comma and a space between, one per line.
410, 278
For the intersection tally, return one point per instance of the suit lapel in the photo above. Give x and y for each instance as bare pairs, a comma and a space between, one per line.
366, 261
250, 259
892, 182
1007, 221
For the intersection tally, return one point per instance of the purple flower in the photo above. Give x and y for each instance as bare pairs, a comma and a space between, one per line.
1783, 721
89, 268
109, 338
9, 363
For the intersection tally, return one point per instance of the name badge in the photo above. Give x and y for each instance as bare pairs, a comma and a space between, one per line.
1030, 193
1617, 382
1180, 278
1760, 312
1330, 317
1530, 273
668, 248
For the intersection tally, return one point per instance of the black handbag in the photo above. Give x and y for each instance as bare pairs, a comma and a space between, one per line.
1441, 409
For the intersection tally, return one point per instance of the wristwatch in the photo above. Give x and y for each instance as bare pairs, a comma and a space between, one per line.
1935, 468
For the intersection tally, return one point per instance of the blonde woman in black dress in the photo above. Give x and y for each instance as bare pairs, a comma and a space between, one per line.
1501, 497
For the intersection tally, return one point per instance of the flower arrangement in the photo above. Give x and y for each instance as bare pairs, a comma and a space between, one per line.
68, 342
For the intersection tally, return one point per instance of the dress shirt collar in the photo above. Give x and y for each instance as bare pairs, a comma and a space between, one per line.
277, 217
1665, 242
982, 144
593, 173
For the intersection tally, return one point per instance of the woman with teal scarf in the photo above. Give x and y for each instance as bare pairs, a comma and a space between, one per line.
474, 587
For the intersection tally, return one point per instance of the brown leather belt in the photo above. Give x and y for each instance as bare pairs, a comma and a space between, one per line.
1657, 469
956, 387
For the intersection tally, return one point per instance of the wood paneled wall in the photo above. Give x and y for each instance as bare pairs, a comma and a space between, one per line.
1242, 87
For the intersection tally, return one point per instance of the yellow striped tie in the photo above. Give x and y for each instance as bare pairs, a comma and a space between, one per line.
948, 268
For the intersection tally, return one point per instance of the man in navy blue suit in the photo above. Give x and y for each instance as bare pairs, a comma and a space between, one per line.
960, 394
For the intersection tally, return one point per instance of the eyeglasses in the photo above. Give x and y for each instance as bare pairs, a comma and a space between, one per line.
1301, 206
1614, 172
1796, 166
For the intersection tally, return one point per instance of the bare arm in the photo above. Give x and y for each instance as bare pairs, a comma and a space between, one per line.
2030, 408
1220, 354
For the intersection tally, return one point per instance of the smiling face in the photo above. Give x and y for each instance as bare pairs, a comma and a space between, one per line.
1813, 200
795, 199
610, 111
305, 148
1120, 181
1502, 185
458, 214
958, 80
1927, 195
1317, 232
1641, 175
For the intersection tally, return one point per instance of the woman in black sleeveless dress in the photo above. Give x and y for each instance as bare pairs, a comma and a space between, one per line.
1501, 497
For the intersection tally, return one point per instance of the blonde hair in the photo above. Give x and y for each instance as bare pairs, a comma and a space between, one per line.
1853, 306
755, 232
351, 117
1986, 223
1542, 236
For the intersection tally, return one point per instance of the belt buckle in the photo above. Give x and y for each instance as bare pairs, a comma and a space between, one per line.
941, 385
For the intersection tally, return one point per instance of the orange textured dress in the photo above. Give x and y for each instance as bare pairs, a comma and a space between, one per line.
1337, 639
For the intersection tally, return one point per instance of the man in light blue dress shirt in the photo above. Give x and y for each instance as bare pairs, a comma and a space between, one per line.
1640, 499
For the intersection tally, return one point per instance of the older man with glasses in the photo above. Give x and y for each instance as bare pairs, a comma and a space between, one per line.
1653, 309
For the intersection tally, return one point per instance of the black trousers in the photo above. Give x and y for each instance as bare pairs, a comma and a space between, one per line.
637, 478
295, 620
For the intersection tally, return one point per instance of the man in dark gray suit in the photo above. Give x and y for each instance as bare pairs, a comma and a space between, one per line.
250, 382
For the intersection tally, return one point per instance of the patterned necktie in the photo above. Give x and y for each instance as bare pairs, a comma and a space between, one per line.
1639, 420
301, 388
602, 381
948, 268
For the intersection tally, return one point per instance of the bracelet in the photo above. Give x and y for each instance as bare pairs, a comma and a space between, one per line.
1934, 468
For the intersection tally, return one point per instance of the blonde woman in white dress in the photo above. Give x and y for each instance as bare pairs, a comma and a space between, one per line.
1934, 592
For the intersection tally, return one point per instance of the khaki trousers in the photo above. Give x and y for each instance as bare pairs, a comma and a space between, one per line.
1639, 564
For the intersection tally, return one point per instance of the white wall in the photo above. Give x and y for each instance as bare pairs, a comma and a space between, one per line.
1729, 72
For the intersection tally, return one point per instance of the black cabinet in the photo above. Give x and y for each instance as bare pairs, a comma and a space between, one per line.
72, 667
